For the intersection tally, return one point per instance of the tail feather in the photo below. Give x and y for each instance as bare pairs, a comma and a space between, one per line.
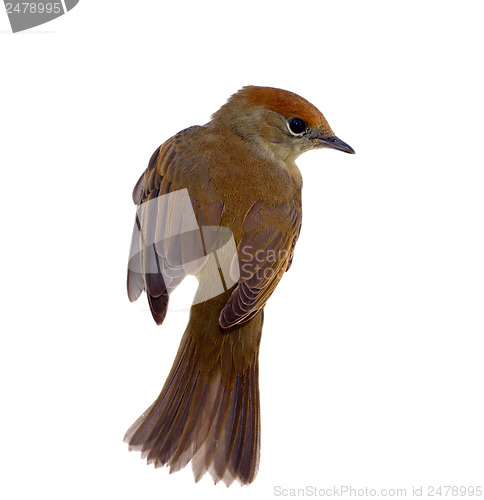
207, 415
237, 455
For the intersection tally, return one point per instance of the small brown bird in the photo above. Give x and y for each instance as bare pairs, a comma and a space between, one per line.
235, 175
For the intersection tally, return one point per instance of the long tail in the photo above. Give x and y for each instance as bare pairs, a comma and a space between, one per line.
208, 409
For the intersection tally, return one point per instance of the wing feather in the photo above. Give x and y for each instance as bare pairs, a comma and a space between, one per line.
265, 253
167, 232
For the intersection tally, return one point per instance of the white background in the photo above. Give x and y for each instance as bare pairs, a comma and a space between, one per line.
371, 368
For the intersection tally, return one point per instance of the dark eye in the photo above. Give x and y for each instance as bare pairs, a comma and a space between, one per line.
297, 126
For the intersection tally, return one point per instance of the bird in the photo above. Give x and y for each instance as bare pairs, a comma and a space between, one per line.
236, 176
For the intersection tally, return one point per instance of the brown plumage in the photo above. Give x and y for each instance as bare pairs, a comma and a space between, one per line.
239, 171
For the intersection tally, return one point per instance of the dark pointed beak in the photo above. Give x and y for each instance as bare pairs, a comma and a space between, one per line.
336, 143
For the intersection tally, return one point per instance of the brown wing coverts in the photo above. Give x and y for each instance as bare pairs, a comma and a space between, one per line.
265, 253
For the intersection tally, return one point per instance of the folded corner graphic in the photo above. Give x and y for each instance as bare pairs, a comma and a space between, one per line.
26, 15
70, 4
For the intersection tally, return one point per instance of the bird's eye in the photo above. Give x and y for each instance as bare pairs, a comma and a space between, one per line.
297, 126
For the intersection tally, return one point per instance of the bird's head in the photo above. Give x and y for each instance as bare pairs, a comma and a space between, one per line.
278, 122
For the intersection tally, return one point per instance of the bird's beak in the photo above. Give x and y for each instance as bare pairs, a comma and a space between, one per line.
336, 143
